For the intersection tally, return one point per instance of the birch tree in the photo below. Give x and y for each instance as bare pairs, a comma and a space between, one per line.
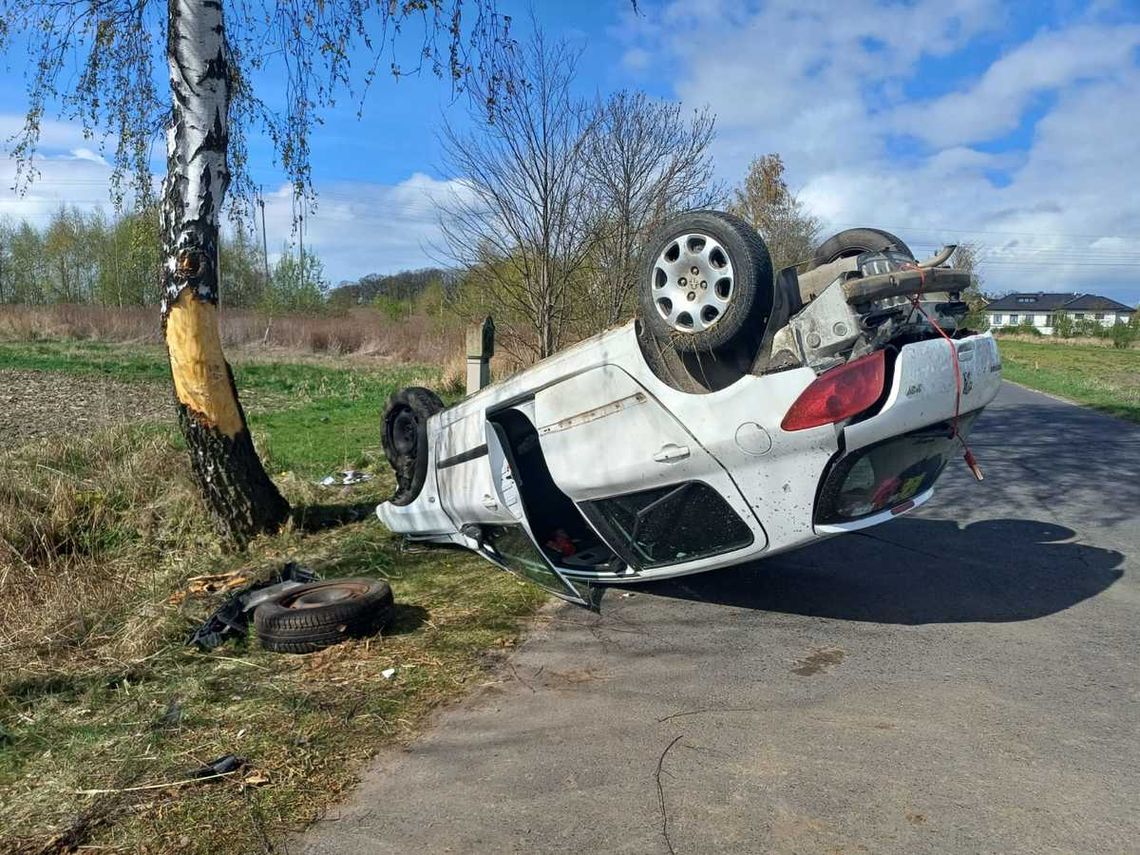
95, 63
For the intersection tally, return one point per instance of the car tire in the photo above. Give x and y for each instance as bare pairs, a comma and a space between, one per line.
314, 616
405, 440
733, 305
856, 242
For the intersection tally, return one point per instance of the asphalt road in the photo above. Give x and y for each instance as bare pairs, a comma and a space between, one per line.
961, 680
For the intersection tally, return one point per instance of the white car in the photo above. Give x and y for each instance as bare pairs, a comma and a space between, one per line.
741, 415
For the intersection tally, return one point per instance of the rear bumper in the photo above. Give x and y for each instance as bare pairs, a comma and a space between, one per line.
890, 461
924, 389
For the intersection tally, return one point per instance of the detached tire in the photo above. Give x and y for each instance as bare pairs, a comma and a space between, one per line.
856, 242
404, 436
315, 616
706, 283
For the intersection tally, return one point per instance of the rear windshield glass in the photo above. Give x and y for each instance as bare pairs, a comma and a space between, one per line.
885, 475
669, 525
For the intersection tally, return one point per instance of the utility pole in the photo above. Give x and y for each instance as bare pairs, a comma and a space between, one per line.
264, 242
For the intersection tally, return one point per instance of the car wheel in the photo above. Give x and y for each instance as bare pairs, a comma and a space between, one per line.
856, 242
314, 616
706, 283
405, 440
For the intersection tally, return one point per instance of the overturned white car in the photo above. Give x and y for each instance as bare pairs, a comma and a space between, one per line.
740, 416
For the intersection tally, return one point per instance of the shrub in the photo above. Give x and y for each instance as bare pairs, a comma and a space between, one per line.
1122, 335
1026, 328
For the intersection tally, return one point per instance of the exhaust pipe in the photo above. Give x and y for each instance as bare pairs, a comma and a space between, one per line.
939, 258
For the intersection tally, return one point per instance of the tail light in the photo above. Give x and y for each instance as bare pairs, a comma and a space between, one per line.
839, 393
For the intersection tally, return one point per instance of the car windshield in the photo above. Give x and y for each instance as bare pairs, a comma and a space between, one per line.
669, 525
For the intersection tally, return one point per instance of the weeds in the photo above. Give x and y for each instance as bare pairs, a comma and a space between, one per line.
415, 338
99, 538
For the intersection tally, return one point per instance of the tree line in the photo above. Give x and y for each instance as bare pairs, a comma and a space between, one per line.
86, 257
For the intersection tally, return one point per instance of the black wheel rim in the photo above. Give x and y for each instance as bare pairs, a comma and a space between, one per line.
404, 431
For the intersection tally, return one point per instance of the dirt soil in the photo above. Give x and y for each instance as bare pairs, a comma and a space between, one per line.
41, 404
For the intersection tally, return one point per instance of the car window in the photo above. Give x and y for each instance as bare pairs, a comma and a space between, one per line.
517, 552
669, 525
889, 473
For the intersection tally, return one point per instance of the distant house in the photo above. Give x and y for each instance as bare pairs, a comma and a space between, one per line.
1040, 308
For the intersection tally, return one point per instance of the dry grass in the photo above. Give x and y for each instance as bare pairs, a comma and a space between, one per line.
361, 331
79, 522
99, 539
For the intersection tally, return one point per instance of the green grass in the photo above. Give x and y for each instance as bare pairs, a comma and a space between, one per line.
273, 384
1104, 378
100, 537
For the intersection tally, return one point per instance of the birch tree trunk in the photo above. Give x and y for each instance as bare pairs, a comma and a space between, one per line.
234, 483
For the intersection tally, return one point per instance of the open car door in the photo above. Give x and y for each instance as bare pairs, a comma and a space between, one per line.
512, 545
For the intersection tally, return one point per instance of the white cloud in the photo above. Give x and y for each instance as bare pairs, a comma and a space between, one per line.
83, 153
361, 228
995, 104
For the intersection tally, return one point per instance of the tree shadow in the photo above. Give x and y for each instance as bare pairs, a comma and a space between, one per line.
917, 571
314, 518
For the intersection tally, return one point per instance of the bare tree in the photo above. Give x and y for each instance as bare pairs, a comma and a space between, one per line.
966, 257
522, 220
765, 201
645, 161
116, 44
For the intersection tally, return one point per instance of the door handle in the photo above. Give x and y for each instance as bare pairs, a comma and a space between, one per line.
671, 453
490, 502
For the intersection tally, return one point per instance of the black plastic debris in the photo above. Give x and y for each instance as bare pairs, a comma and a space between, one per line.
222, 766
231, 618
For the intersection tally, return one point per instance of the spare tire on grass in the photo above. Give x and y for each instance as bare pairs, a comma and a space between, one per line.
314, 616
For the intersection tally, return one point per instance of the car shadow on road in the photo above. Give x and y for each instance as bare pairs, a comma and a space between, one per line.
917, 571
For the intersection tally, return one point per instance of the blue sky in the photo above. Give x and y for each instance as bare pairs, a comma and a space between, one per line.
1014, 125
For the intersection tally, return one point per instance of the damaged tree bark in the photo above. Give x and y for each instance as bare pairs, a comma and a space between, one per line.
229, 473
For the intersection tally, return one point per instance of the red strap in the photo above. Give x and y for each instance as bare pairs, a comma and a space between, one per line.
971, 461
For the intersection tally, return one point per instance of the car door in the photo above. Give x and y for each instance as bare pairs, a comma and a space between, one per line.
604, 435
512, 545
466, 486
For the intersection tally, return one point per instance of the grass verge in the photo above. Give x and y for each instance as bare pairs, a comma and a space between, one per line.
1103, 378
100, 537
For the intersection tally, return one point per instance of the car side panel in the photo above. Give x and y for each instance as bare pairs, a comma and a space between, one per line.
603, 434
776, 471
463, 473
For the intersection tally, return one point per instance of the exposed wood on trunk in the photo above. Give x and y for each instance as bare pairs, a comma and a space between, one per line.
226, 466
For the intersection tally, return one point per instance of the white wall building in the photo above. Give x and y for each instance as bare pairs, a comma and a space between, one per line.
1041, 308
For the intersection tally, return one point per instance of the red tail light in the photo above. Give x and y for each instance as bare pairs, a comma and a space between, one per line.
838, 394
